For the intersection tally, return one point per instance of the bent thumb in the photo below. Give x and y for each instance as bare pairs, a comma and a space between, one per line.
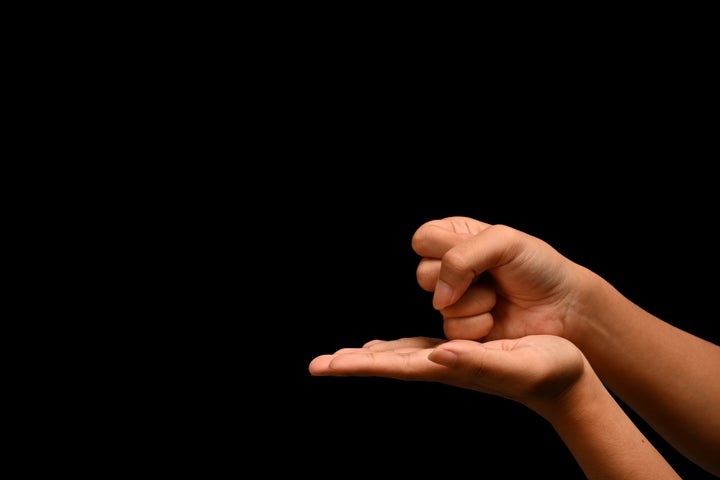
448, 354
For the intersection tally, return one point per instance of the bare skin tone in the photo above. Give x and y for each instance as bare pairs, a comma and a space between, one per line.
527, 324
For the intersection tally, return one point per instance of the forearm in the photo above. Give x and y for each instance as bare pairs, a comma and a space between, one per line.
665, 374
601, 437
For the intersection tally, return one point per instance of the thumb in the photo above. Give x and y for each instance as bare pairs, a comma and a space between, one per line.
475, 358
436, 237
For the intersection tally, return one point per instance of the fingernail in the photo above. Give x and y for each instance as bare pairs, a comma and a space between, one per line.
443, 357
443, 295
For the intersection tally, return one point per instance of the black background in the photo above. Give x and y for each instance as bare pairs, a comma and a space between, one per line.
347, 144
267, 173
353, 279
611, 172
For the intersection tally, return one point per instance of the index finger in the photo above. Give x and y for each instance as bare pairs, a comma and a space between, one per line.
495, 246
436, 237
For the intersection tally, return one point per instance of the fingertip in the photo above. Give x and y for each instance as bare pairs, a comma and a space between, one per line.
318, 365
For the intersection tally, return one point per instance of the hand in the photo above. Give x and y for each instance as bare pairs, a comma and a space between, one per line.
532, 370
492, 281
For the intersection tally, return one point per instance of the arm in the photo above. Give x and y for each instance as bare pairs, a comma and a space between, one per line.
600, 435
669, 376
509, 284
546, 373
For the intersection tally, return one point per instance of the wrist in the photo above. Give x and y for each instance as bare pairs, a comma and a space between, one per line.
592, 310
578, 402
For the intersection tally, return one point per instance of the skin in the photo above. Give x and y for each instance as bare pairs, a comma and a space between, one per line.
665, 374
493, 283
546, 373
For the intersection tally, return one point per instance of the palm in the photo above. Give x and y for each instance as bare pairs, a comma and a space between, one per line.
512, 368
